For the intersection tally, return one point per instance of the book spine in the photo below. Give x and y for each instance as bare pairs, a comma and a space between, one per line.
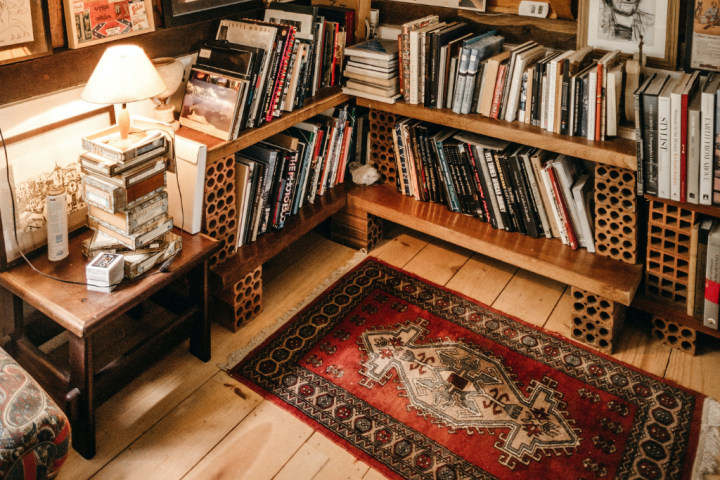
403, 178
288, 189
511, 203
551, 96
536, 98
505, 222
477, 184
523, 97
497, 95
461, 81
592, 103
565, 99
700, 266
707, 141
639, 143
451, 195
664, 155
651, 144
599, 101
716, 156
676, 114
534, 189
693, 156
563, 208
525, 208
554, 204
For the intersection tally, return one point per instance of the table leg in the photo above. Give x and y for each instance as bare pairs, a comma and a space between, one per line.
200, 344
81, 395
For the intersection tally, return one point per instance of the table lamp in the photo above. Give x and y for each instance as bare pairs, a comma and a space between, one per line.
124, 74
171, 71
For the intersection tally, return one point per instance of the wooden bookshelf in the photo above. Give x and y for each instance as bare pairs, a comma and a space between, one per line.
671, 311
604, 276
217, 149
618, 152
251, 255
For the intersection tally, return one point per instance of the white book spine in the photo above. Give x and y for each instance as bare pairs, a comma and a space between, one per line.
544, 102
566, 182
414, 67
675, 144
554, 205
552, 86
693, 156
664, 161
592, 104
584, 217
535, 191
514, 94
707, 119
712, 278
461, 81
466, 99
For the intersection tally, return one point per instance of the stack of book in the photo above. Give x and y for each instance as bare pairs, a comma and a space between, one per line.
676, 122
124, 184
256, 69
516, 188
281, 174
372, 70
447, 65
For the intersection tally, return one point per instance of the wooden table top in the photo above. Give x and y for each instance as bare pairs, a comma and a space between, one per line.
81, 311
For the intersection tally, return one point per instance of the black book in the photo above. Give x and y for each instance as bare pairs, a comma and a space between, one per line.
536, 106
473, 196
417, 162
639, 141
580, 112
452, 155
288, 188
511, 71
268, 156
489, 202
477, 88
531, 215
650, 132
503, 171
498, 189
440, 38
255, 194
483, 211
421, 133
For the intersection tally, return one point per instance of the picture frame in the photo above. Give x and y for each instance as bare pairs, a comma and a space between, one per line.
37, 159
90, 22
702, 36
613, 25
182, 12
27, 34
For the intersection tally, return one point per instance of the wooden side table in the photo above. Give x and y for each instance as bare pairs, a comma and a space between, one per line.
77, 382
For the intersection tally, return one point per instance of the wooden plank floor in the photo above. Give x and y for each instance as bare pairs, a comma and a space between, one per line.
184, 419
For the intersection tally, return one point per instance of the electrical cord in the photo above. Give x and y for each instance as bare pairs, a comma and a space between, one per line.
164, 268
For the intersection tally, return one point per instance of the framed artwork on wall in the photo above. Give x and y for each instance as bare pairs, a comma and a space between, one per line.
37, 160
90, 22
702, 35
24, 30
182, 12
620, 24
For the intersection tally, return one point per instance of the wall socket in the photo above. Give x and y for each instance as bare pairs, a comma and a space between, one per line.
534, 9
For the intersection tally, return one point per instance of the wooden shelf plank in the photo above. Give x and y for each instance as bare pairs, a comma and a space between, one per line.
618, 152
252, 255
603, 276
709, 210
671, 311
218, 149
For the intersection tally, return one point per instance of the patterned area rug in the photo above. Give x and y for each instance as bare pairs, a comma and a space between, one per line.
422, 382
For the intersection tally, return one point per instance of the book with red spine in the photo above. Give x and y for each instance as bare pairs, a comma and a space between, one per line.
497, 95
562, 206
690, 87
282, 73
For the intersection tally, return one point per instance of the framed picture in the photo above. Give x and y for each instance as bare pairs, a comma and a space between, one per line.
24, 30
90, 22
37, 160
620, 24
182, 12
702, 35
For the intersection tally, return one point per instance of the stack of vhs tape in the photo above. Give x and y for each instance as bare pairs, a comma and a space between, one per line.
124, 187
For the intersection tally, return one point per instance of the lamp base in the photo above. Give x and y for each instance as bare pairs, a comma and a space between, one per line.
165, 113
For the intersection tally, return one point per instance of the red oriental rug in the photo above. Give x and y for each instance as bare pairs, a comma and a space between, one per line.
424, 383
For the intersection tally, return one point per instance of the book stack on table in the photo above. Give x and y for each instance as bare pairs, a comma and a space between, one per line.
372, 70
124, 186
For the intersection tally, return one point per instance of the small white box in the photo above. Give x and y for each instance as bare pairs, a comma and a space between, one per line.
104, 272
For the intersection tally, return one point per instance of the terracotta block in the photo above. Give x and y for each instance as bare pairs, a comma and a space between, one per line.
595, 321
675, 335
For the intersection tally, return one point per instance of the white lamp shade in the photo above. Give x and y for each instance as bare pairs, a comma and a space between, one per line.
124, 74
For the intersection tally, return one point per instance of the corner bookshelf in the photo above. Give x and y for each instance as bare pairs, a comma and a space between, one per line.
252, 255
613, 279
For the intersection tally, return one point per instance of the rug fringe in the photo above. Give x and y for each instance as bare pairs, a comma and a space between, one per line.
237, 356
708, 450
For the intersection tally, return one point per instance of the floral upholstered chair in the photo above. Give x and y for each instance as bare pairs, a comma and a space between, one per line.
34, 432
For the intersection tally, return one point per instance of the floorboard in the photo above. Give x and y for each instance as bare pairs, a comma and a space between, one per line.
182, 418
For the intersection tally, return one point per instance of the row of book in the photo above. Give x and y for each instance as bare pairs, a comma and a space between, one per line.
124, 188
254, 70
447, 65
677, 127
278, 176
513, 187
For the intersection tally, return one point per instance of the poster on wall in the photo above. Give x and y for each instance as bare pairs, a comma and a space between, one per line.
90, 22
15, 22
622, 24
702, 46
38, 160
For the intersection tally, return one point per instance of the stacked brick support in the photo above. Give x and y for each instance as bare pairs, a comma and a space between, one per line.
220, 218
674, 335
239, 303
595, 321
382, 150
356, 228
616, 214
